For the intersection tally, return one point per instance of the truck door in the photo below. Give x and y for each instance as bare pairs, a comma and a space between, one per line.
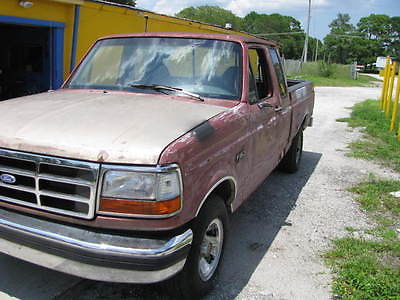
263, 117
284, 110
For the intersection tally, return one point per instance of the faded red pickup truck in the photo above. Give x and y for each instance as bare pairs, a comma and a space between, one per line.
130, 171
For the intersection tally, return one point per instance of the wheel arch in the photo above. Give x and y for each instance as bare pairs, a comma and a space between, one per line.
303, 125
226, 188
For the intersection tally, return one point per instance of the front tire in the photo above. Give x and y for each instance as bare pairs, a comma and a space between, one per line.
210, 233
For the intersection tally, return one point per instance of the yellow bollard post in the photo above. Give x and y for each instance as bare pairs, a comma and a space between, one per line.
387, 79
390, 89
396, 104
384, 85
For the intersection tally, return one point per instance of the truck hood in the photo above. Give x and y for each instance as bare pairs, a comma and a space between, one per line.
96, 126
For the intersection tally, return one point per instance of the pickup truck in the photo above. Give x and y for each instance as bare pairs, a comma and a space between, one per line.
130, 171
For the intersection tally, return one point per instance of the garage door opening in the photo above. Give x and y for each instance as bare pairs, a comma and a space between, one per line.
31, 56
25, 60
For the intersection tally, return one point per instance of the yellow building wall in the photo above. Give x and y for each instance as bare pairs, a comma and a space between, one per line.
97, 20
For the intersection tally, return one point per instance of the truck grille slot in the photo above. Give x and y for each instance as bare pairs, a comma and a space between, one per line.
65, 188
72, 173
17, 194
53, 184
63, 204
22, 165
23, 181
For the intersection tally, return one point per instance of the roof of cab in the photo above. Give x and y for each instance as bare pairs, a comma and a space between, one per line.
215, 36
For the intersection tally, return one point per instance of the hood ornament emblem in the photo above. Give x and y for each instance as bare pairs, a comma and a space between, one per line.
7, 178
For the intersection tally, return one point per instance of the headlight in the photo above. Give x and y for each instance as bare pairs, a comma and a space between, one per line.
136, 193
130, 185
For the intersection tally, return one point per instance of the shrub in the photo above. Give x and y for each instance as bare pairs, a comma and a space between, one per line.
327, 69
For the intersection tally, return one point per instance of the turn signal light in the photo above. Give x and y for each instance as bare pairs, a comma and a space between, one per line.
139, 207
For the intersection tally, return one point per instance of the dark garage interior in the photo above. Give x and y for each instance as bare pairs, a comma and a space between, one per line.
25, 60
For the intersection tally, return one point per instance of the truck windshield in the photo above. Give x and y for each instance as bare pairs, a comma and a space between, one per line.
208, 68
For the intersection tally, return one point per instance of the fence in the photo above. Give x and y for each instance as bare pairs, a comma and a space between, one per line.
389, 105
292, 67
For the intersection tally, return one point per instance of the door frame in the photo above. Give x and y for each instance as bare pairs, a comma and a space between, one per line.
56, 42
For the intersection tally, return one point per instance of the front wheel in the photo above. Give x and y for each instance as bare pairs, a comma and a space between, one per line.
210, 233
291, 161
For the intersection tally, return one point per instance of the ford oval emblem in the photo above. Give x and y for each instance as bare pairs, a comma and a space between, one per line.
7, 178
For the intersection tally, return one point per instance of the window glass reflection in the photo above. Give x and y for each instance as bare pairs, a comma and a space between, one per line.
210, 68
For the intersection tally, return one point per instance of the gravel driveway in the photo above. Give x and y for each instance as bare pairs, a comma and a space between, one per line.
277, 236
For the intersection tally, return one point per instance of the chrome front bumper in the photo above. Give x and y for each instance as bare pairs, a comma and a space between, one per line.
92, 255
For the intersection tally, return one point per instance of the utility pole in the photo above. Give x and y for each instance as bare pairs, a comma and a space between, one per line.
316, 51
308, 32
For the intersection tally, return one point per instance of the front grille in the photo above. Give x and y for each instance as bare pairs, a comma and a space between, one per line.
53, 184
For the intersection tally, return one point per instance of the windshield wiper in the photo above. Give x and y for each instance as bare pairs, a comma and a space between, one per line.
160, 87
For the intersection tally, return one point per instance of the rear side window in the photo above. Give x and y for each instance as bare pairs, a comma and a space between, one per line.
259, 87
279, 71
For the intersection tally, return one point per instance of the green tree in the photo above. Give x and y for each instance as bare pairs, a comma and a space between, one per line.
394, 48
283, 29
375, 35
291, 35
376, 27
312, 48
212, 15
338, 43
376, 39
384, 31
341, 24
126, 2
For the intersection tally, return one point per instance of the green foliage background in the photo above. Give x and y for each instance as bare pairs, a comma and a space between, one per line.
126, 2
374, 35
256, 23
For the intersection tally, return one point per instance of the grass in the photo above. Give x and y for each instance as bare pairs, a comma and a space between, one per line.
363, 80
374, 196
365, 269
366, 262
368, 267
321, 68
379, 144
323, 74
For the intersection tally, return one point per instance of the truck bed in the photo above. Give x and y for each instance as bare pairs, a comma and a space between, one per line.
301, 94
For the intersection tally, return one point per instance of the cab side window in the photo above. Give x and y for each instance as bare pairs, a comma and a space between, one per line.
279, 71
259, 87
253, 96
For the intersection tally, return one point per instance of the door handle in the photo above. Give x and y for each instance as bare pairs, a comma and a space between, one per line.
262, 105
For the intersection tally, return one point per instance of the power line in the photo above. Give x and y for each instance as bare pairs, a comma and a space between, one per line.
280, 33
345, 35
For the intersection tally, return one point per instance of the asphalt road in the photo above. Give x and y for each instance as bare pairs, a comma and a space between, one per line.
277, 236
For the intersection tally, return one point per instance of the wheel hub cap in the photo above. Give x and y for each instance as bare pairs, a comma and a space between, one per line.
210, 249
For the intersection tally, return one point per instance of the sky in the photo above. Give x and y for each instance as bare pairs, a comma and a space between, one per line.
322, 11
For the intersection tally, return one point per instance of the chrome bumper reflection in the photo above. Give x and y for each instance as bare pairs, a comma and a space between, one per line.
167, 257
87, 271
